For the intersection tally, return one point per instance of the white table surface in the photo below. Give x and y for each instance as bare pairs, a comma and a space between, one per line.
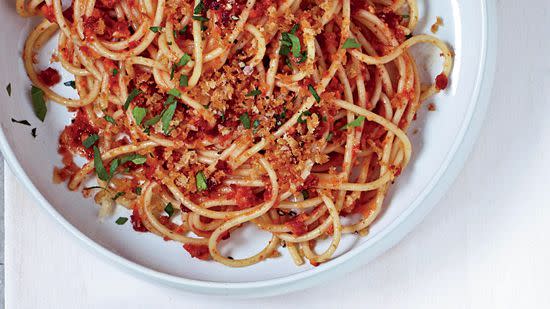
484, 246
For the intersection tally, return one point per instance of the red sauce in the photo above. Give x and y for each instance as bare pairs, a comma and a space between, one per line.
49, 77
441, 81
311, 182
223, 166
137, 224
198, 251
260, 9
245, 197
74, 134
297, 225
47, 11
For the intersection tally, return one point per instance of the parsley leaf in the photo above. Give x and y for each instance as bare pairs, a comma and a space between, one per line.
70, 83
169, 209
351, 43
184, 60
184, 81
99, 167
110, 119
155, 29
245, 120
314, 93
133, 94
254, 93
201, 181
121, 220
117, 195
356, 123
90, 141
167, 116
38, 103
139, 113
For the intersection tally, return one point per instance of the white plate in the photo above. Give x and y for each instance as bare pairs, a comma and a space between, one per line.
445, 138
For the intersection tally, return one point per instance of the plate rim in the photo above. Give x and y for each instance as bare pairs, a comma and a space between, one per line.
381, 242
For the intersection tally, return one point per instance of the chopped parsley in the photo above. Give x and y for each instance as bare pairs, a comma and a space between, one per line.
139, 113
356, 123
167, 116
329, 136
23, 122
169, 209
115, 72
90, 141
152, 121
110, 119
134, 158
138, 190
38, 103
245, 120
183, 60
155, 29
200, 18
117, 195
184, 81
254, 93
314, 93
201, 181
121, 220
305, 194
351, 43
99, 167
70, 83
174, 92
133, 94
199, 8
302, 120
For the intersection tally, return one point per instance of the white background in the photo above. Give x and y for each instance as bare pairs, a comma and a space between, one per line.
486, 245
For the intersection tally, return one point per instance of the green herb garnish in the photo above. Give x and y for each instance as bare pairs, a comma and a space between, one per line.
121, 220
184, 81
314, 93
245, 120
183, 60
110, 119
117, 195
201, 181
70, 83
99, 167
90, 141
38, 103
155, 29
254, 93
167, 116
139, 113
133, 94
356, 123
351, 43
169, 209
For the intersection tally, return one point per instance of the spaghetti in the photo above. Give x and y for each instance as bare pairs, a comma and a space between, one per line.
204, 116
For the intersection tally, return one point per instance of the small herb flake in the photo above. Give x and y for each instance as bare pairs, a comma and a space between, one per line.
139, 113
110, 119
138, 190
115, 72
33, 132
23, 122
184, 60
356, 123
201, 181
117, 195
8, 89
121, 220
70, 83
133, 94
254, 93
314, 93
38, 103
98, 165
90, 141
245, 120
169, 209
155, 29
351, 43
174, 92
167, 116
184, 81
